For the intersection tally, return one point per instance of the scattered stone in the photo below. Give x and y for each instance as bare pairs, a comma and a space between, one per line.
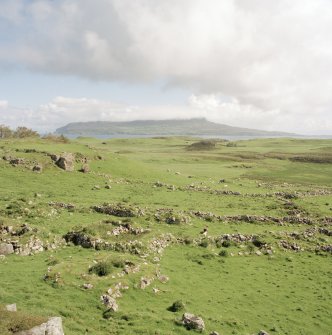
109, 302
52, 327
11, 308
88, 286
6, 249
119, 209
145, 282
163, 279
37, 168
66, 162
191, 321
85, 168
61, 205
17, 161
263, 332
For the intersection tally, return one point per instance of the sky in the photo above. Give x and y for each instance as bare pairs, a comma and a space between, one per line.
248, 63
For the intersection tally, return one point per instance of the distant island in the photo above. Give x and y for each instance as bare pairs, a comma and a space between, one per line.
172, 127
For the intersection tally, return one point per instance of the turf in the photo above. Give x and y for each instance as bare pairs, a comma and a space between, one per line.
277, 190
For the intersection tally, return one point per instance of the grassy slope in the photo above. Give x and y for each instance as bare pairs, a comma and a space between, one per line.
235, 295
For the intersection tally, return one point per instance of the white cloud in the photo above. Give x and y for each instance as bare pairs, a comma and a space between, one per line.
63, 110
3, 104
273, 58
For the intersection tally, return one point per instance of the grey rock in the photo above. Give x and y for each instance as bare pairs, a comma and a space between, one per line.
263, 332
191, 321
52, 327
6, 249
37, 168
66, 162
11, 308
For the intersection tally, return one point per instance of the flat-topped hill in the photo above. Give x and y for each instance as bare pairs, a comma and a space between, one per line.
197, 126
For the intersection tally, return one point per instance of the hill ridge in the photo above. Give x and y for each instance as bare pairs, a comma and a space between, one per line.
193, 126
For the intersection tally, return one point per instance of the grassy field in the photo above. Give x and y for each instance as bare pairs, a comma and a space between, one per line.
265, 262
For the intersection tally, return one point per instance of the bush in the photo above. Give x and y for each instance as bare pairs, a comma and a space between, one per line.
258, 243
101, 269
226, 244
118, 263
176, 306
231, 144
223, 253
204, 243
218, 244
250, 247
202, 145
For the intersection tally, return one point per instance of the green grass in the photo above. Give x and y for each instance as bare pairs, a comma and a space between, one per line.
233, 289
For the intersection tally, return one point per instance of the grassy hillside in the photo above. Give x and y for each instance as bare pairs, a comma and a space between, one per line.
137, 216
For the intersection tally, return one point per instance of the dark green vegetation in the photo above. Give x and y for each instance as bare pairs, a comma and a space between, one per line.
192, 127
237, 234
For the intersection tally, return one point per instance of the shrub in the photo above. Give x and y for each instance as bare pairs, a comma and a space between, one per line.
218, 244
176, 306
258, 243
223, 253
101, 269
226, 244
202, 145
250, 247
118, 263
204, 243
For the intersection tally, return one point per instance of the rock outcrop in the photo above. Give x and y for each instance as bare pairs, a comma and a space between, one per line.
6, 249
65, 161
191, 321
52, 327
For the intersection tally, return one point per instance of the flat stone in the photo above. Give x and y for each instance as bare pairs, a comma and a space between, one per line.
11, 308
6, 249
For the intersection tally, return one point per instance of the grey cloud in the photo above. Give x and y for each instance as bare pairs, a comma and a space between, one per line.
271, 55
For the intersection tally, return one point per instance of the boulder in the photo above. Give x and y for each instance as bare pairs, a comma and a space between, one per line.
6, 249
85, 168
109, 302
191, 321
11, 308
52, 327
37, 168
145, 282
66, 162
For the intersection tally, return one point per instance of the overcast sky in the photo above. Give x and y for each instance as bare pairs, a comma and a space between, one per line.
250, 63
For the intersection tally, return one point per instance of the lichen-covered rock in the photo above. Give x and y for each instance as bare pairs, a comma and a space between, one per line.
66, 162
52, 327
6, 249
263, 332
11, 308
191, 321
37, 168
145, 282
109, 302
120, 210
